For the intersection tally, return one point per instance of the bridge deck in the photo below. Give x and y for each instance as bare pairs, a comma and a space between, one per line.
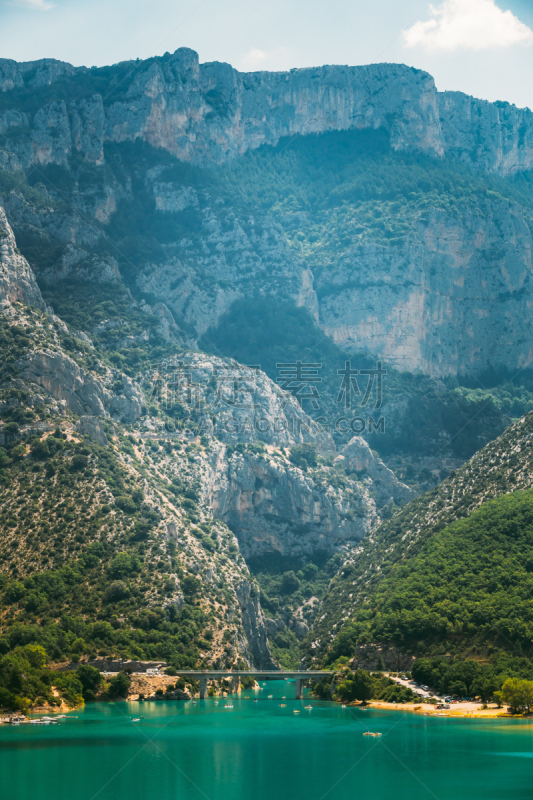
213, 674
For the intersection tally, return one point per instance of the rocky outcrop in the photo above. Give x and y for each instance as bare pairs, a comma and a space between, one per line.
451, 295
255, 631
92, 427
357, 457
274, 507
235, 403
17, 281
495, 137
64, 380
210, 112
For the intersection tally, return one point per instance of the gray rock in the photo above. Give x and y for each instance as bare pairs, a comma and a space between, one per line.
17, 281
84, 394
274, 507
211, 112
92, 427
255, 631
356, 456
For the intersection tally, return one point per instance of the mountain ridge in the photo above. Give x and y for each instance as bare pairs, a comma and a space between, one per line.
211, 112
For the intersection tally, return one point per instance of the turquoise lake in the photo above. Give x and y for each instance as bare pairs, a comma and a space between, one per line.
260, 751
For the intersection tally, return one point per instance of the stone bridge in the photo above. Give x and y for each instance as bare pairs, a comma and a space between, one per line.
214, 674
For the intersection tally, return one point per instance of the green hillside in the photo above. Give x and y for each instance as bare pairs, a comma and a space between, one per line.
450, 572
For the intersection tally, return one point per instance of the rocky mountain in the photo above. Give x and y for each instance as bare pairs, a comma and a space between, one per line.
205, 113
397, 216
17, 281
150, 490
175, 236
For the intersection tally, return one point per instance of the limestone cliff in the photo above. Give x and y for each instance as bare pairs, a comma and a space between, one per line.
454, 297
274, 507
211, 112
452, 294
17, 281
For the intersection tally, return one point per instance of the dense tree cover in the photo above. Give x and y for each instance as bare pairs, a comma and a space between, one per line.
344, 167
470, 585
119, 685
80, 578
518, 694
91, 622
470, 678
361, 685
25, 680
287, 584
501, 468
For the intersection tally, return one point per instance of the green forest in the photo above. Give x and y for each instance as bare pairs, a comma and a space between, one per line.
469, 589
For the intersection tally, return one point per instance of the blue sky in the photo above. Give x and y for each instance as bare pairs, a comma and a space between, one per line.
482, 47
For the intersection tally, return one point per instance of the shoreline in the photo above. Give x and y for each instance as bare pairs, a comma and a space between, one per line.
465, 710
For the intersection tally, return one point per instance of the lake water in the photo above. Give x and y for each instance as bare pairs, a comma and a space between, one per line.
260, 751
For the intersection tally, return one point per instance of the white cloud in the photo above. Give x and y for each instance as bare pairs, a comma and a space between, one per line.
468, 25
37, 5
255, 56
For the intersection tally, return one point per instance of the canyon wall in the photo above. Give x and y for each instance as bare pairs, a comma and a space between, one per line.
207, 113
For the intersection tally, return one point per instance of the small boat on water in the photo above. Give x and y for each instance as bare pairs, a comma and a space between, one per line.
371, 733
283, 705
270, 696
309, 707
296, 711
228, 706
137, 719
255, 701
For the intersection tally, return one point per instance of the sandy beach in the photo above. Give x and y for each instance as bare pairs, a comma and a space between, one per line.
456, 710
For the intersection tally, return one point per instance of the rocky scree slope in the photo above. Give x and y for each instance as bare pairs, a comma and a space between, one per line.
140, 551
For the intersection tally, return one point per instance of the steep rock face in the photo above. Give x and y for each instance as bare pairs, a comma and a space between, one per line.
236, 403
255, 645
17, 281
453, 296
357, 457
81, 392
496, 137
235, 252
211, 112
274, 507
456, 297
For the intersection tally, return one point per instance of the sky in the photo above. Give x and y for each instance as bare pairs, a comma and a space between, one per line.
481, 47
